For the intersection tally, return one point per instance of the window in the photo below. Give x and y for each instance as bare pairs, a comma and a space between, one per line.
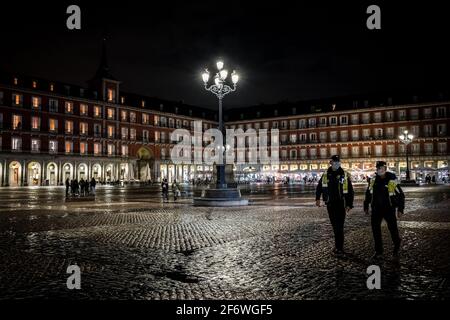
69, 147
53, 105
355, 118
52, 125
111, 93
402, 115
427, 113
83, 109
97, 112
16, 122
414, 114
389, 115
110, 149
333, 151
378, 150
333, 136
52, 87
156, 120
145, 118
377, 116
442, 147
69, 127
110, 113
367, 150
35, 145
110, 132
344, 120
344, 135
275, 125
124, 132
145, 135
355, 151
323, 122
83, 128
441, 112
97, 129
428, 148
378, 133
133, 117
124, 150
415, 148
83, 148
292, 124
36, 102
16, 143
312, 122
35, 123
97, 149
69, 107
303, 137
390, 132
323, 136
366, 134
442, 129
344, 151
313, 137
313, 153
123, 115
428, 130
301, 124
366, 118
132, 134
53, 146
283, 124
303, 153
355, 135
16, 81
17, 99
333, 121
323, 152
415, 130
34, 84
390, 148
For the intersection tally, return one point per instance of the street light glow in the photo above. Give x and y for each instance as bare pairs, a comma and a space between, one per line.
205, 76
234, 77
223, 74
219, 65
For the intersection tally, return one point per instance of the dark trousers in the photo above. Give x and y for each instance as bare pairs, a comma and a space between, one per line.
336, 212
391, 220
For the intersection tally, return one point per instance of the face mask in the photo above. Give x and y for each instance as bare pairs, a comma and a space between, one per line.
381, 171
335, 165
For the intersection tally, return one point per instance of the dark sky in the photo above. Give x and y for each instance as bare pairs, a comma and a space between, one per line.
283, 50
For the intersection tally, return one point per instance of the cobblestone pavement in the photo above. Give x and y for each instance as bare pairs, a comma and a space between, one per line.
131, 246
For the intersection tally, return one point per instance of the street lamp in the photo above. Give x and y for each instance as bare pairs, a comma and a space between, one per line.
406, 138
220, 89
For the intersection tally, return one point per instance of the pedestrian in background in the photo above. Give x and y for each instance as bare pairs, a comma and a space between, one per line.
165, 190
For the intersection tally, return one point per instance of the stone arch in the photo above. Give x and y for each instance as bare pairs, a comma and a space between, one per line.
34, 171
67, 171
52, 174
15, 174
82, 171
96, 171
145, 164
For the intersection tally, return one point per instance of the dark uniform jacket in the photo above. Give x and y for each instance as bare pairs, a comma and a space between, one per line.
335, 186
384, 194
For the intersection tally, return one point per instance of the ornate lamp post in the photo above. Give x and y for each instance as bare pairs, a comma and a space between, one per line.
406, 138
220, 89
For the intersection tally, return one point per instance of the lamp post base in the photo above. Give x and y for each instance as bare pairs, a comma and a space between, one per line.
220, 197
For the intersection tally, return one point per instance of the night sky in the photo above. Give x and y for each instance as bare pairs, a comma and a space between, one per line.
282, 50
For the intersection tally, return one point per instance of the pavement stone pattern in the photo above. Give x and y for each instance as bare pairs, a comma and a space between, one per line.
154, 250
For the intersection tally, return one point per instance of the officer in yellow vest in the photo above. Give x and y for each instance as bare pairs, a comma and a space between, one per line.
384, 195
335, 186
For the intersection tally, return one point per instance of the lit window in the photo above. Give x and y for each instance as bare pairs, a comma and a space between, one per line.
16, 143
143, 103
83, 109
97, 148
69, 146
53, 125
17, 122
16, 81
111, 95
52, 87
110, 113
110, 149
124, 150
122, 100
17, 99
36, 102
83, 128
145, 118
35, 143
110, 132
69, 127
69, 107
123, 115
35, 123
132, 134
124, 133
97, 112
83, 147
132, 117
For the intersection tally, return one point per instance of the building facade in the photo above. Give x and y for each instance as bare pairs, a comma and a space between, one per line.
309, 136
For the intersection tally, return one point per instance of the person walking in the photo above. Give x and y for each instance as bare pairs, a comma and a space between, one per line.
67, 187
175, 190
384, 195
93, 183
165, 190
336, 189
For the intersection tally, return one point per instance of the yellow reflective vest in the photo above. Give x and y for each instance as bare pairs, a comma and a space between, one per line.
345, 183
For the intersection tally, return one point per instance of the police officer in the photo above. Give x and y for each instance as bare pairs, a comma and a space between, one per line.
336, 188
384, 195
